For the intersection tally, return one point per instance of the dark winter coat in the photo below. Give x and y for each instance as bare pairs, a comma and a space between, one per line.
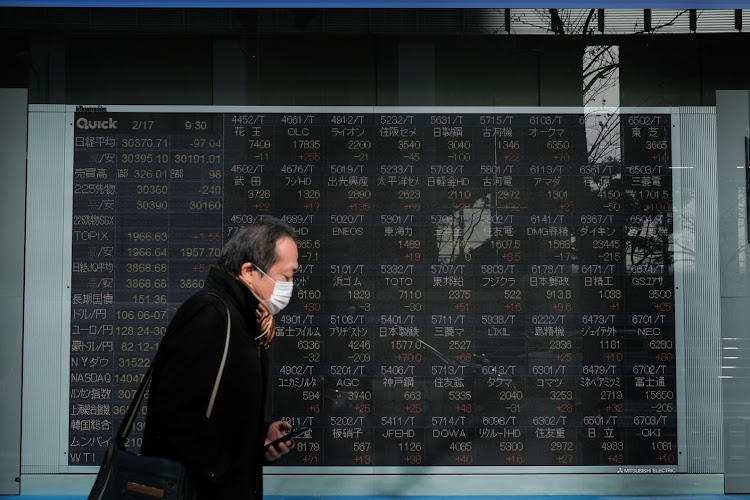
224, 453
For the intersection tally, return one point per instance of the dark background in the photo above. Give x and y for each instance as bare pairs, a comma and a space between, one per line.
384, 57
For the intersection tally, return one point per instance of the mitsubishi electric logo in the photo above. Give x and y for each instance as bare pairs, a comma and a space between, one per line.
86, 124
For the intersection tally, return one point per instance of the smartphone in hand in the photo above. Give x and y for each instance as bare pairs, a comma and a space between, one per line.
296, 431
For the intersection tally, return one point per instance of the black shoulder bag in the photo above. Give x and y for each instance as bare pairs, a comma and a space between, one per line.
126, 475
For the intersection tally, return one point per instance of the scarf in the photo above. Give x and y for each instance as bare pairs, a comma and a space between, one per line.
265, 325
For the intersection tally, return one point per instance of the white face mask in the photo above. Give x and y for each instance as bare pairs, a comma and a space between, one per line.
282, 292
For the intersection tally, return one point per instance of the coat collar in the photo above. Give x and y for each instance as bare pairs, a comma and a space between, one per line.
228, 286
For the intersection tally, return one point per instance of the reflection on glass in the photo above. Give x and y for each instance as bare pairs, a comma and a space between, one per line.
463, 231
601, 102
741, 230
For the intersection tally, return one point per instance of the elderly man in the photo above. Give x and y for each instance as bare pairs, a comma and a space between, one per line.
207, 396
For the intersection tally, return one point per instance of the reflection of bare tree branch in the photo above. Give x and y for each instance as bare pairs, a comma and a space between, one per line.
601, 73
563, 21
645, 243
606, 145
585, 29
603, 89
522, 20
471, 227
650, 242
571, 24
668, 23
458, 232
557, 24
595, 57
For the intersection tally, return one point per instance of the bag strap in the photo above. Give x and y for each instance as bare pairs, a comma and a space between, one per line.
210, 408
130, 416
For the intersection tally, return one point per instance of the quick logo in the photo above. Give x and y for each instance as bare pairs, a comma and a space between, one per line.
86, 124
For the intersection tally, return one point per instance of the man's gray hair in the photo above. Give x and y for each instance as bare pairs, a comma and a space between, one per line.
255, 243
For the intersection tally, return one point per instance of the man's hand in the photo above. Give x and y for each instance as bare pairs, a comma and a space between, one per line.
275, 431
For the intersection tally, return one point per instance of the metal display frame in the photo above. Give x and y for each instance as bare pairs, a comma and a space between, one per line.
362, 479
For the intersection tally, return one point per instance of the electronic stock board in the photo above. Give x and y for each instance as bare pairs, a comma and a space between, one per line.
476, 287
